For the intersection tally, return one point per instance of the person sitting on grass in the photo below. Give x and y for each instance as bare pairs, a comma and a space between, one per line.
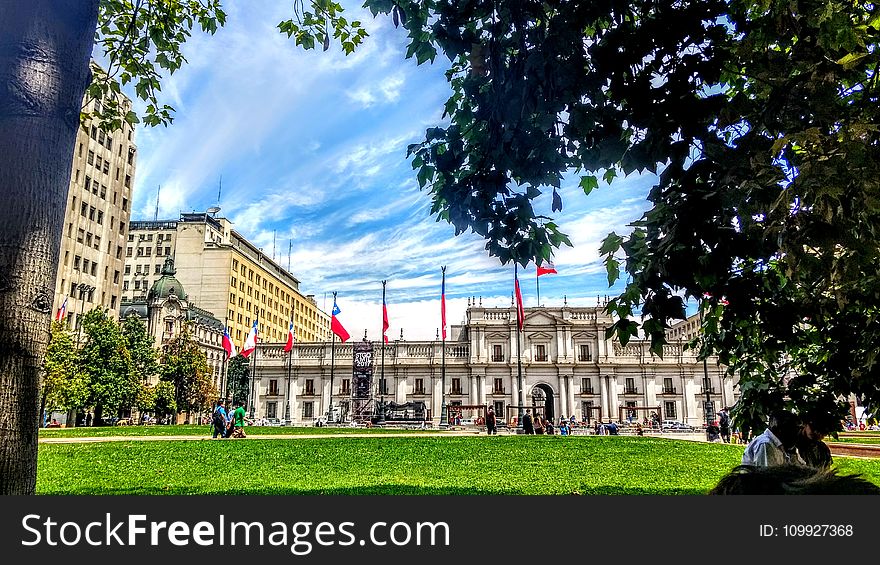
776, 446
791, 479
810, 446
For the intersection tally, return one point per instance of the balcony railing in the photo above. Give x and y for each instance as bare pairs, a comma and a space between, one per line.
630, 391
668, 390
498, 391
588, 390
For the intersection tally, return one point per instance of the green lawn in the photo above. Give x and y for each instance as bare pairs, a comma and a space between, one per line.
192, 430
376, 465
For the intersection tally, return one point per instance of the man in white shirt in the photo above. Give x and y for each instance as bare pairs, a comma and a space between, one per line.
776, 445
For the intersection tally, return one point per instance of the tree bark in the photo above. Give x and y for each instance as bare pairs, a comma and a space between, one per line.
44, 70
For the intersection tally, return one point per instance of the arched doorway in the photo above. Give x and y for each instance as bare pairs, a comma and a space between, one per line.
542, 401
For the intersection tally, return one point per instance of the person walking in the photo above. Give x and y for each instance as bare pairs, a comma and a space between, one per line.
491, 422
539, 424
528, 425
238, 424
724, 424
218, 421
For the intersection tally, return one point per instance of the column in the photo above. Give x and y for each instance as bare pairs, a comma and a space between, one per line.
603, 395
571, 404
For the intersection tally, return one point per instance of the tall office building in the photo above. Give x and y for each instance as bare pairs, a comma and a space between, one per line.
96, 220
224, 274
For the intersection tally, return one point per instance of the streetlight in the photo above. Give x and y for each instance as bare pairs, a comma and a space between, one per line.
83, 289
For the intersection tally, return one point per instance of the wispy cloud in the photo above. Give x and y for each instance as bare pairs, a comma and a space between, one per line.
311, 147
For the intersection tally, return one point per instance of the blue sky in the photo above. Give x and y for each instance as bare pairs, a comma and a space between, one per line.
311, 148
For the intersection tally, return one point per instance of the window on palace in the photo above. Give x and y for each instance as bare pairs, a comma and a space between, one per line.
587, 410
497, 353
669, 410
308, 409
346, 386
456, 385
271, 409
540, 352
499, 408
273, 387
310, 387
587, 385
584, 353
630, 385
420, 386
667, 386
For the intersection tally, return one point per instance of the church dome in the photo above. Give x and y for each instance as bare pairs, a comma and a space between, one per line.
167, 284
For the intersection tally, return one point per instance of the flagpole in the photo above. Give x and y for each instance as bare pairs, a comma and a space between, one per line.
332, 367
254, 373
519, 384
381, 418
444, 414
537, 284
289, 367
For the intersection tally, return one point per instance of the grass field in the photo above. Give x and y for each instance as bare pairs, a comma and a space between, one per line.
408, 465
192, 430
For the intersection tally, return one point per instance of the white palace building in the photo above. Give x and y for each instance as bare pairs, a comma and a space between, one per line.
568, 368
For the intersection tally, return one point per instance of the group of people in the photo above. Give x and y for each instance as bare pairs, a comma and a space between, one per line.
539, 425
791, 458
228, 423
789, 439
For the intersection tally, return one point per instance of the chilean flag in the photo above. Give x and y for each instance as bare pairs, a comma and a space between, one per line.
384, 320
250, 344
62, 311
228, 346
336, 326
289, 345
520, 312
546, 268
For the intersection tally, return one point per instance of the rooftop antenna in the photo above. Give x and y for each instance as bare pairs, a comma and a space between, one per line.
289, 249
219, 190
273, 244
156, 217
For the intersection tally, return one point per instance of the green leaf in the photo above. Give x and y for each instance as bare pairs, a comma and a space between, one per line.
589, 183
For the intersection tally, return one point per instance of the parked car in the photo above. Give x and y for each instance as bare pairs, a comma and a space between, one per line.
676, 425
272, 422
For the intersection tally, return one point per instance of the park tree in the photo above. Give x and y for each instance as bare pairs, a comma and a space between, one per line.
141, 347
45, 48
164, 399
238, 375
106, 366
760, 120
185, 366
63, 387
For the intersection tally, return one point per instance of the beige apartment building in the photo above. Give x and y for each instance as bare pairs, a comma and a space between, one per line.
92, 257
224, 274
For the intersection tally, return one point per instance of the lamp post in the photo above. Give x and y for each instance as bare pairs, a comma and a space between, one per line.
708, 408
83, 289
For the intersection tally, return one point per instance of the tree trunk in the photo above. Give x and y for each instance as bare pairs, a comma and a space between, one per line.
44, 70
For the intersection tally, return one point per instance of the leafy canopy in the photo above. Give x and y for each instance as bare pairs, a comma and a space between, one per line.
761, 118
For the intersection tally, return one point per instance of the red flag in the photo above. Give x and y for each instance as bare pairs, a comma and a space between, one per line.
336, 326
289, 345
384, 320
520, 312
228, 346
546, 268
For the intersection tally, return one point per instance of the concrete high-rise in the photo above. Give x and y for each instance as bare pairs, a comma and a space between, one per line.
224, 274
96, 219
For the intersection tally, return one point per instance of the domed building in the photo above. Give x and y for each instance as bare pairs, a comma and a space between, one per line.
165, 309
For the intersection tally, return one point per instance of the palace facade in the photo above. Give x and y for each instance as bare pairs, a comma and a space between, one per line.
567, 367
